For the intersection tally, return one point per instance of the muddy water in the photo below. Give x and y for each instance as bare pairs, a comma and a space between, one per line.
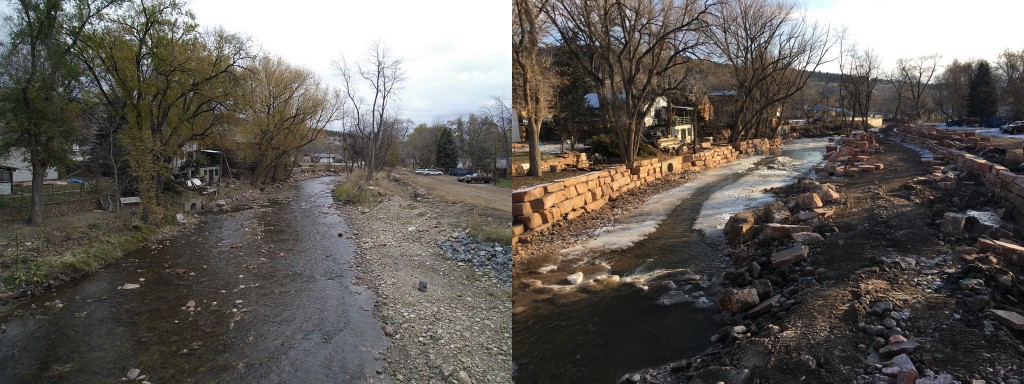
598, 338
274, 302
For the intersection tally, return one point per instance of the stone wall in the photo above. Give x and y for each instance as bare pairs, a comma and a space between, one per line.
947, 164
538, 207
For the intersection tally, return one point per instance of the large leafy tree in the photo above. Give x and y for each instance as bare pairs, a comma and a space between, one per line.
171, 81
981, 96
39, 83
285, 108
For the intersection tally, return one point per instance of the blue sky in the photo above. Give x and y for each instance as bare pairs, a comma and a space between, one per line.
964, 30
456, 53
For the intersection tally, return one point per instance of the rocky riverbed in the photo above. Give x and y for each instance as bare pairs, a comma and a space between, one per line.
906, 285
448, 318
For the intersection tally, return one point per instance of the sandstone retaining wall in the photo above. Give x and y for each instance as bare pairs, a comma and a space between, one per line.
1006, 184
538, 207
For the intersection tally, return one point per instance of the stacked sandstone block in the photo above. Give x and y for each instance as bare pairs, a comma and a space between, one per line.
540, 206
850, 156
946, 165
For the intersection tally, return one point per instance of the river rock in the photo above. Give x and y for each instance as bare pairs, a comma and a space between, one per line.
778, 231
463, 378
828, 193
953, 223
1012, 320
672, 298
128, 286
738, 301
809, 201
807, 237
789, 256
738, 229
902, 347
763, 307
575, 278
133, 373
716, 374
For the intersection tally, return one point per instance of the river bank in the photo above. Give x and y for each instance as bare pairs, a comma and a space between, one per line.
456, 326
893, 293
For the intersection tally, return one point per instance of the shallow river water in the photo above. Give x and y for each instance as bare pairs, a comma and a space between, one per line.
273, 295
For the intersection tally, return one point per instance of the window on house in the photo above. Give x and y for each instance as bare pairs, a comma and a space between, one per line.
5, 176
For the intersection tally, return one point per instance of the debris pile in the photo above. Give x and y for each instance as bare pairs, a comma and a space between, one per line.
492, 257
849, 156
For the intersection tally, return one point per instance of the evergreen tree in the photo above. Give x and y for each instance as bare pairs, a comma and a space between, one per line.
447, 150
981, 96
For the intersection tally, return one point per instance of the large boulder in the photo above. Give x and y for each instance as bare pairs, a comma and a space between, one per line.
953, 223
738, 229
809, 201
828, 194
738, 301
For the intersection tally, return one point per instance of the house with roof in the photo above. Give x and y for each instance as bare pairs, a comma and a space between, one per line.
17, 160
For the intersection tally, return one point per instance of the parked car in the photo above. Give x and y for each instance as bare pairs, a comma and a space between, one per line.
476, 178
432, 172
955, 123
419, 171
1013, 128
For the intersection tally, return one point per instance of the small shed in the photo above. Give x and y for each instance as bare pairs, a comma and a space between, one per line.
7, 179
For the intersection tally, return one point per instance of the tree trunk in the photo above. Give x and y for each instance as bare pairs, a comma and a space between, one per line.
38, 172
533, 131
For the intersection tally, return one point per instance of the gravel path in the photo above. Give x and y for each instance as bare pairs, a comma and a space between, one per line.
458, 330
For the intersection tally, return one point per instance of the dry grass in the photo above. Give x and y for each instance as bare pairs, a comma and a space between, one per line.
489, 231
354, 190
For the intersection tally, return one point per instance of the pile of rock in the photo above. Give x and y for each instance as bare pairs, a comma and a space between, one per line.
888, 353
849, 156
488, 257
795, 218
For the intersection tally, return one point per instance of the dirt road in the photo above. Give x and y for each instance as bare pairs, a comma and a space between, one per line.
497, 200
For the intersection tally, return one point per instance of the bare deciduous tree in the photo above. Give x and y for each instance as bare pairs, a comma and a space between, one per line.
899, 86
501, 113
633, 51
860, 80
917, 74
1011, 67
369, 116
772, 51
533, 79
951, 90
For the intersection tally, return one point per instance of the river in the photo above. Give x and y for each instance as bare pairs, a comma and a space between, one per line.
273, 302
596, 337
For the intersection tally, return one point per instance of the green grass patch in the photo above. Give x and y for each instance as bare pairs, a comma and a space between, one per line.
104, 247
505, 183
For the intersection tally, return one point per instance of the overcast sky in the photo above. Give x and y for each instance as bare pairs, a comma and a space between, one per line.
956, 29
456, 53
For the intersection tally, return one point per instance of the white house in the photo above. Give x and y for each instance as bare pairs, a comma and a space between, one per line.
18, 160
